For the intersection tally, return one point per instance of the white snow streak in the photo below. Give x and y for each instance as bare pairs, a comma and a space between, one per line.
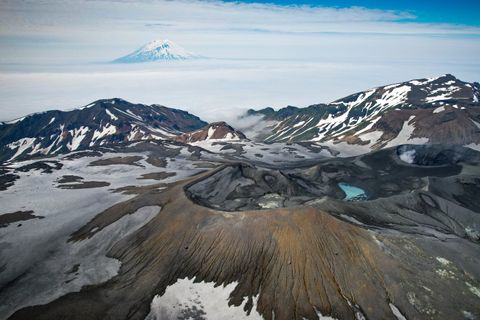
397, 312
77, 136
111, 115
439, 109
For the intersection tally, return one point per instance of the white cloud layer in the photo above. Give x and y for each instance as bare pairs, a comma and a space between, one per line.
55, 53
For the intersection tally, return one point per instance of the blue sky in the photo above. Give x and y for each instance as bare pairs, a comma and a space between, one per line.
55, 54
431, 11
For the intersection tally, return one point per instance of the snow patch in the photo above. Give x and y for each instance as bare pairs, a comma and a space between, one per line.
211, 132
404, 136
15, 120
77, 137
439, 109
373, 137
299, 124
396, 312
476, 123
88, 106
112, 116
205, 299
130, 112
21, 145
443, 261
408, 156
473, 289
441, 93
108, 130
394, 97
321, 316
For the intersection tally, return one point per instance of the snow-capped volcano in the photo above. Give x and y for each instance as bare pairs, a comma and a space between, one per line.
158, 50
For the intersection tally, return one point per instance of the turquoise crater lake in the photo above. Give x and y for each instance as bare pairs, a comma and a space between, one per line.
352, 193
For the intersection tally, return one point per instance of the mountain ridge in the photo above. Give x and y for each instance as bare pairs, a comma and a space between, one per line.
99, 123
374, 112
435, 110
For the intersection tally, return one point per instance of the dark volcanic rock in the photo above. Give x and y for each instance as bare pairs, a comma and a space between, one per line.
84, 185
44, 166
8, 218
158, 175
7, 180
128, 160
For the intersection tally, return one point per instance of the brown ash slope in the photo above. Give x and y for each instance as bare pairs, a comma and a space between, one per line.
411, 249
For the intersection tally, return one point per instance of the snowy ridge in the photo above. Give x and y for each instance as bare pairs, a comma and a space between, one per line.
363, 119
97, 124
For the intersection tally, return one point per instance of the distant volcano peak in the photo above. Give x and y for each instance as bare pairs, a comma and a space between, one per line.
157, 50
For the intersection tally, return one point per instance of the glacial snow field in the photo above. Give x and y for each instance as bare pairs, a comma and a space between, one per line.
164, 230
37, 253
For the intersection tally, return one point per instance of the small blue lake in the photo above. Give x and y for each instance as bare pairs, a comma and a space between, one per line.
352, 193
